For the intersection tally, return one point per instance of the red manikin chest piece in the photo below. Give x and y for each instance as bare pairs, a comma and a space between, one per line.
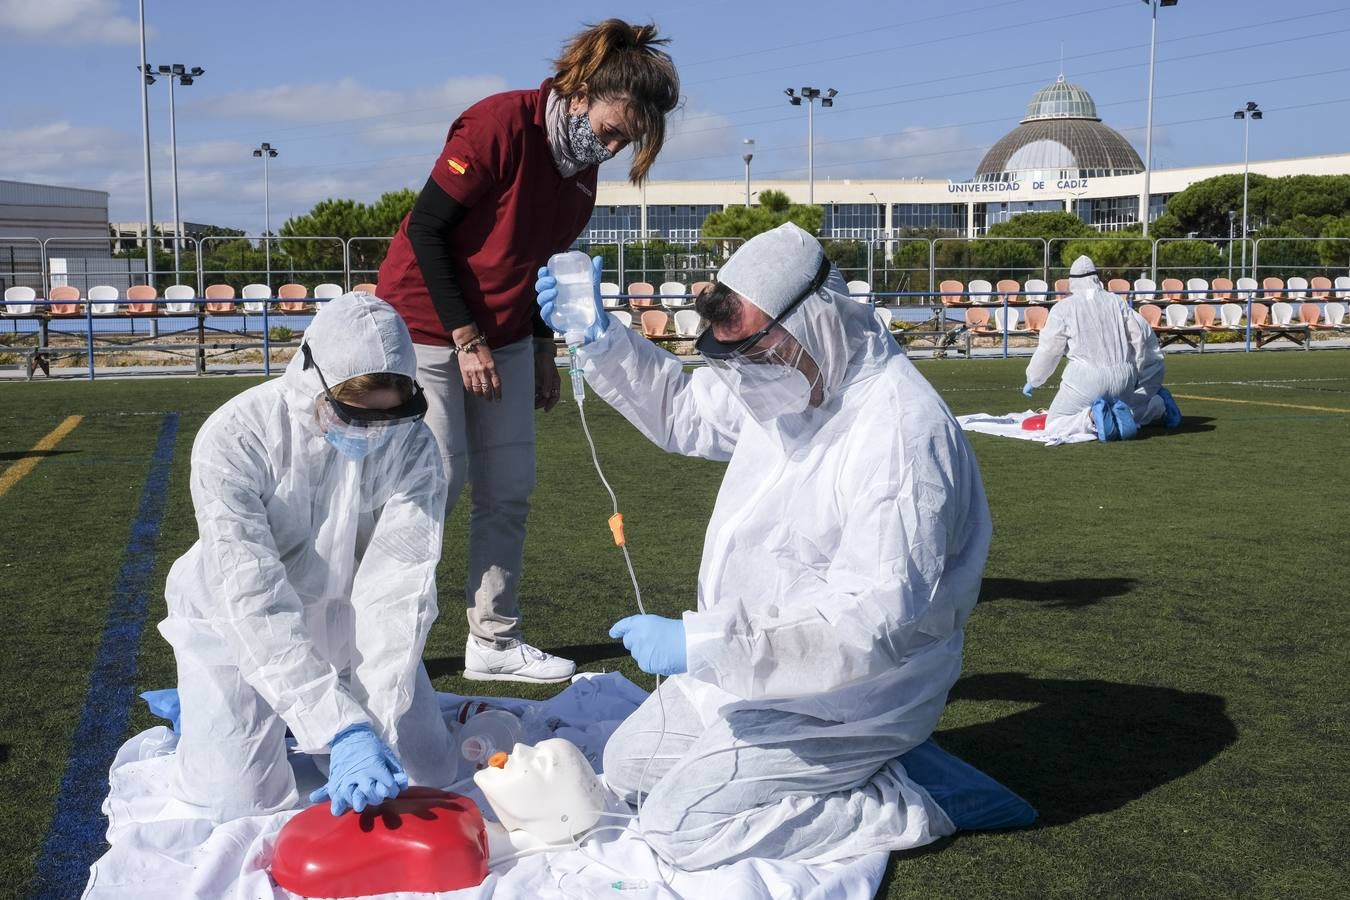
1034, 423
422, 841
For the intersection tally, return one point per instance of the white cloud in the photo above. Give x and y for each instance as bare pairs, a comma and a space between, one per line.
66, 22
939, 152
365, 113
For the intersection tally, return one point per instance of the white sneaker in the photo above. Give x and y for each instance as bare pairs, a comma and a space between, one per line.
519, 662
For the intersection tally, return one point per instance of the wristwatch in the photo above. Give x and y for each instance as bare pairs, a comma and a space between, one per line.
471, 344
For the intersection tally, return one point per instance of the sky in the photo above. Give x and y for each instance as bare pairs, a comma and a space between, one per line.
357, 97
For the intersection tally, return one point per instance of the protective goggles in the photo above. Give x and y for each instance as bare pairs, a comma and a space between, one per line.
360, 417
744, 349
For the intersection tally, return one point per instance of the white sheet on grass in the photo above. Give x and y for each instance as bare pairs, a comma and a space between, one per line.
160, 852
1010, 425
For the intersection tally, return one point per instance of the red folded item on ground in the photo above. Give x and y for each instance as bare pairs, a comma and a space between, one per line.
1034, 423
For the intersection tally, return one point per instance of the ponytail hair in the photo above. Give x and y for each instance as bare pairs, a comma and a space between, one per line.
618, 61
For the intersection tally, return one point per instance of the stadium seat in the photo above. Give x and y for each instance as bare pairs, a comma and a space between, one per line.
860, 291
1230, 315
624, 316
1061, 289
654, 323
255, 298
884, 315
1035, 317
103, 300
1310, 314
220, 298
699, 287
19, 301
1272, 289
952, 291
1145, 291
1178, 328
1197, 290
1247, 289
1004, 323
1037, 291
1343, 287
179, 300
977, 320
1319, 288
1172, 289
609, 294
674, 287
1296, 288
365, 287
1119, 286
1334, 315
328, 291
1009, 291
60, 298
1221, 289
1271, 325
292, 297
687, 323
140, 300
981, 291
1206, 316
640, 295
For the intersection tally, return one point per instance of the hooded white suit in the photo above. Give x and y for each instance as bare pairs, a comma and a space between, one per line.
1112, 352
842, 558
307, 599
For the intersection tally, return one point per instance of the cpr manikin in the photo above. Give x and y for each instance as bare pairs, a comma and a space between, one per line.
548, 791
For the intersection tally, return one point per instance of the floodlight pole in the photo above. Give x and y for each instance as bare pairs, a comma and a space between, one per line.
1146, 199
266, 151
145, 134
1251, 111
176, 74
749, 155
811, 95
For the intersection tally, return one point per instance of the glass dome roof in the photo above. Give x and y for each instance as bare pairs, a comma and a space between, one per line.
1061, 100
1061, 137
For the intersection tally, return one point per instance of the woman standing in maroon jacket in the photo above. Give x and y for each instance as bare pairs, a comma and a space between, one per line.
514, 184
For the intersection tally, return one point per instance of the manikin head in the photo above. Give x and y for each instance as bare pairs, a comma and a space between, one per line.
548, 790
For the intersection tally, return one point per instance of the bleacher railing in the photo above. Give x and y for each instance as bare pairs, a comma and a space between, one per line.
902, 273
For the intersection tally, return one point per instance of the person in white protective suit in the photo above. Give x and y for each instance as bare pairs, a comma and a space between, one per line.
306, 601
1112, 384
843, 556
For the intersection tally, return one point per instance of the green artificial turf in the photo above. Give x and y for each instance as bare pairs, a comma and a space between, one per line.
1158, 662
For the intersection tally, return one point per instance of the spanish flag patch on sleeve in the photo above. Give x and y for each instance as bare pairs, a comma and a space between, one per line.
459, 167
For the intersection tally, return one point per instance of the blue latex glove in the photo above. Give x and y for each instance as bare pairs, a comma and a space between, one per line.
547, 289
657, 643
361, 771
1027, 389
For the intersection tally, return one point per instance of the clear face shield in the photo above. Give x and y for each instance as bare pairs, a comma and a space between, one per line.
356, 431
769, 371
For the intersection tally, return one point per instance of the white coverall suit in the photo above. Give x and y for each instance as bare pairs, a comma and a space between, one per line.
307, 599
843, 555
1113, 353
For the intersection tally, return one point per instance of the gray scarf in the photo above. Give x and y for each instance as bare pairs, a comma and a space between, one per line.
555, 116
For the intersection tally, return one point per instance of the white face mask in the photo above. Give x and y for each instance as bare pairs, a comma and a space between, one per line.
769, 392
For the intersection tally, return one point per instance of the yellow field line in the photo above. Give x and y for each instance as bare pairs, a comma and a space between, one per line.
1330, 409
28, 463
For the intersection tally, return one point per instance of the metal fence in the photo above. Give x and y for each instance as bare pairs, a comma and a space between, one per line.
901, 273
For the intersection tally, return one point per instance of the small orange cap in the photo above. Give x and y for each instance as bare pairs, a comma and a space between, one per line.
497, 760
616, 526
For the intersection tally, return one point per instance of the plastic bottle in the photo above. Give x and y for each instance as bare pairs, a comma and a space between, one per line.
574, 310
487, 732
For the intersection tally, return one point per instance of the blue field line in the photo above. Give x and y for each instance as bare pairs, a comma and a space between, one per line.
75, 836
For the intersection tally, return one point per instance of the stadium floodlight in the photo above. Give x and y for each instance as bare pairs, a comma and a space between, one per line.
177, 74
811, 95
1246, 114
749, 155
1145, 198
266, 151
